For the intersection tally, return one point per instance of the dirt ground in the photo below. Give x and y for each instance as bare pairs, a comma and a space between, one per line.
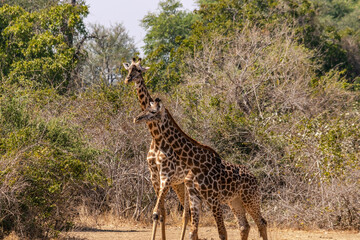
206, 233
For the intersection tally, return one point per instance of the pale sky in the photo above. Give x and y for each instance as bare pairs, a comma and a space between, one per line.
127, 12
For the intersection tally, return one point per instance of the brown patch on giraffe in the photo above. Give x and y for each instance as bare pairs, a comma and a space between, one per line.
156, 132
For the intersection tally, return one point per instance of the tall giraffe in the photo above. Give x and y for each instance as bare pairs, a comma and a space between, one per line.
218, 181
155, 156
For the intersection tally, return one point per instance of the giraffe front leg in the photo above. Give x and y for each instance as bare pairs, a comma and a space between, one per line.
161, 158
164, 187
155, 180
162, 219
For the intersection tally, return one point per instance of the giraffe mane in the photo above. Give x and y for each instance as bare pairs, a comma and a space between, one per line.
188, 137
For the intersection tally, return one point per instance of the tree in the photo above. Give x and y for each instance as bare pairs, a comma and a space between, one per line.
342, 17
31, 6
227, 17
36, 5
45, 166
40, 49
107, 50
166, 31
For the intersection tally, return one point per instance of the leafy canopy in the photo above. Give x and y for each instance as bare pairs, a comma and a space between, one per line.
37, 49
166, 31
107, 50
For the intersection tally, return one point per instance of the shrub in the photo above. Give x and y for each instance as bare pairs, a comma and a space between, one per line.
45, 166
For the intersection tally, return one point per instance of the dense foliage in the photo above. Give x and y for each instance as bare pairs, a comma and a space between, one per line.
37, 49
30, 6
107, 49
44, 167
165, 33
342, 17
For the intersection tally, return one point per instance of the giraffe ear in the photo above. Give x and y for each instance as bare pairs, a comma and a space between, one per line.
145, 69
159, 103
126, 66
142, 69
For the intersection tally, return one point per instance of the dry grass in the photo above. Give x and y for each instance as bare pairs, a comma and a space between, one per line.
107, 220
12, 236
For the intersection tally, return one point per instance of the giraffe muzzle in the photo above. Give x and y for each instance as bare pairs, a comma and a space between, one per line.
128, 80
138, 119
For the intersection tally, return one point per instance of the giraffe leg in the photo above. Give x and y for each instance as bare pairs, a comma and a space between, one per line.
155, 180
195, 202
162, 193
217, 212
183, 197
153, 156
162, 222
185, 217
180, 189
162, 219
254, 211
239, 212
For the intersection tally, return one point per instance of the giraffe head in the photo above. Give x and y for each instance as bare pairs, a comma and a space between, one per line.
135, 71
154, 112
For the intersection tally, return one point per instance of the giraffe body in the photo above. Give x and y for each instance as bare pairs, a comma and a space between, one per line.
217, 181
155, 158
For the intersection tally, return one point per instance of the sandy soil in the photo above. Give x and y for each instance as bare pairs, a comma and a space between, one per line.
206, 233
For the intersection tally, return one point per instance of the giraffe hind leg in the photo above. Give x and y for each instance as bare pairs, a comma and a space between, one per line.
218, 215
194, 202
239, 212
179, 189
186, 211
255, 213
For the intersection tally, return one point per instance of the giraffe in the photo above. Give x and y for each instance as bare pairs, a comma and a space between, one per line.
154, 156
218, 181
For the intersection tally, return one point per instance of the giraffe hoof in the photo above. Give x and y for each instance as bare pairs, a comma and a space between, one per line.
155, 216
193, 236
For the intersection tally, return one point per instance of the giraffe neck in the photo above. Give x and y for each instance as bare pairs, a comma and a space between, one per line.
184, 146
143, 94
144, 100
